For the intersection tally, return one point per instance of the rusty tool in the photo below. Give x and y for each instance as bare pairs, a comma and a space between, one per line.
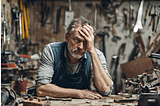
153, 42
147, 13
140, 42
153, 14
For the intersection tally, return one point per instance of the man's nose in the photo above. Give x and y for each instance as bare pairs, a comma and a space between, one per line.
80, 45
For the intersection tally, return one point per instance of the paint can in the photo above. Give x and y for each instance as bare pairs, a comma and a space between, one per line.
21, 86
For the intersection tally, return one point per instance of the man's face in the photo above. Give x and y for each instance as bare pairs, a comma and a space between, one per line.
76, 44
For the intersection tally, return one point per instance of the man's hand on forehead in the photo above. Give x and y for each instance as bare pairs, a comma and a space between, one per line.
86, 30
87, 33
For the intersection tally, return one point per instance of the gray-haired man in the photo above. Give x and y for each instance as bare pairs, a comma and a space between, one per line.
66, 68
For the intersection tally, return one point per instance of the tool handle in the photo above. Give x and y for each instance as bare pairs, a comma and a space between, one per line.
25, 56
147, 12
154, 55
70, 8
114, 31
4, 11
153, 42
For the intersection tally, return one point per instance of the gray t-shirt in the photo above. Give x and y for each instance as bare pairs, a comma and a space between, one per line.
46, 67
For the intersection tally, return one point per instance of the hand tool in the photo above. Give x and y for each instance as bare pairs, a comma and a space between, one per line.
28, 18
25, 23
116, 58
134, 52
95, 17
57, 26
140, 42
125, 12
131, 18
157, 21
138, 24
44, 11
149, 40
153, 42
115, 37
69, 15
22, 19
20, 24
156, 47
153, 13
154, 55
102, 34
4, 29
147, 13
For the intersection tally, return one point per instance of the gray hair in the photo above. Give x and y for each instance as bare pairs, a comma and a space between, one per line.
77, 22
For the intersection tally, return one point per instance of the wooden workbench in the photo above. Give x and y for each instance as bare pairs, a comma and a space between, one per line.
105, 101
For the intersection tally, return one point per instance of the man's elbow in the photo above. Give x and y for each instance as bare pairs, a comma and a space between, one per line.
106, 87
39, 91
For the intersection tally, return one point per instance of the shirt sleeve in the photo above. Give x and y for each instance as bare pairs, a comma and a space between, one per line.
46, 64
104, 63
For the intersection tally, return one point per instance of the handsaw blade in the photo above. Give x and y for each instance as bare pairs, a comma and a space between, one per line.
139, 23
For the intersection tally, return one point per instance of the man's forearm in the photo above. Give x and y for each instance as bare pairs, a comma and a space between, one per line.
101, 78
55, 91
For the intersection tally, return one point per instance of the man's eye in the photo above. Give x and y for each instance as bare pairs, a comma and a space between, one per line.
76, 40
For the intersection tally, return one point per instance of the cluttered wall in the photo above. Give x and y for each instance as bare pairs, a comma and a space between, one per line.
115, 23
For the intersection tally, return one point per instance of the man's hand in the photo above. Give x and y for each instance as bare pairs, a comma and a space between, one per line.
88, 94
87, 33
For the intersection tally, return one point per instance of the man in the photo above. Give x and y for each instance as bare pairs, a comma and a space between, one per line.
66, 68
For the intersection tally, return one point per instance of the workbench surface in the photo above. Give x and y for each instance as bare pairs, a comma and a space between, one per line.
112, 100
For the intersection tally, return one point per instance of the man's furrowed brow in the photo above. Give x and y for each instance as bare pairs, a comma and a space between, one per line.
80, 38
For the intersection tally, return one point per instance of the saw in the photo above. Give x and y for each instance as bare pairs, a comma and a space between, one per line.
138, 24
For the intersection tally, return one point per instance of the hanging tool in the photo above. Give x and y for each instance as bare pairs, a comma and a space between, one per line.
25, 23
102, 34
139, 17
134, 52
20, 24
140, 42
115, 37
95, 17
69, 15
57, 26
22, 19
149, 40
116, 59
131, 18
147, 13
125, 12
28, 18
4, 29
153, 42
153, 13
157, 21
44, 11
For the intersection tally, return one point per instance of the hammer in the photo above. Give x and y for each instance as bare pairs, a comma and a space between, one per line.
153, 13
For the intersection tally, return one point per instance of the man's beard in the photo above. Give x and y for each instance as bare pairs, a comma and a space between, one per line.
75, 55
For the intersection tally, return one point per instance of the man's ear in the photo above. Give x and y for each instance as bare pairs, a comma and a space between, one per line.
67, 37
